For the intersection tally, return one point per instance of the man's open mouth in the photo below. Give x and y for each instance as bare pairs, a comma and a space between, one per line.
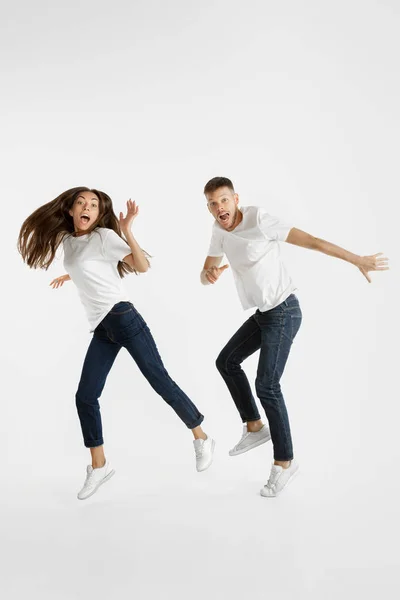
223, 217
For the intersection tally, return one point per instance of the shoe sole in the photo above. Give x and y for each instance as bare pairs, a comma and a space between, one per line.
284, 488
106, 478
212, 458
251, 447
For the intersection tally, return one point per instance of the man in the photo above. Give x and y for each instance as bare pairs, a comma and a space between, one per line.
249, 237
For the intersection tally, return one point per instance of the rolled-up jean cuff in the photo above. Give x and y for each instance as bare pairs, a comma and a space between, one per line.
251, 420
196, 423
94, 443
283, 459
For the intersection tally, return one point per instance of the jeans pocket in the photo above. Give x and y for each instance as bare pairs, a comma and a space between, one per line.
121, 308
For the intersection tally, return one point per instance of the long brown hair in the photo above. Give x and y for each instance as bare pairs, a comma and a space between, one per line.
44, 230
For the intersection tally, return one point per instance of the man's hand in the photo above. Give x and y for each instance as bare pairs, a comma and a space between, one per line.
213, 273
59, 281
132, 212
372, 263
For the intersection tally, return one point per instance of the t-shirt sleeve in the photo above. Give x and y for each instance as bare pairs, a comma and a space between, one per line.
114, 247
215, 248
272, 227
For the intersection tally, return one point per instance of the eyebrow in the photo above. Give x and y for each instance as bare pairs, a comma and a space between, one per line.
83, 198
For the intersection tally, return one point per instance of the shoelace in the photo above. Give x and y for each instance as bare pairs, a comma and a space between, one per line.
244, 436
199, 450
89, 478
273, 478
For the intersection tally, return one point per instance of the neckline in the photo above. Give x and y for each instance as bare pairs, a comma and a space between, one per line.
242, 210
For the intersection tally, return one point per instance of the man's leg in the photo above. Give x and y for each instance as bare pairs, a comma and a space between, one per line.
244, 342
279, 327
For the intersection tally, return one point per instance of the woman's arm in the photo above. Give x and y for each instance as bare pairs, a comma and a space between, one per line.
137, 260
58, 282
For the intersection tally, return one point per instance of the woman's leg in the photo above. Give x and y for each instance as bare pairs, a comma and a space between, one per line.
99, 359
127, 327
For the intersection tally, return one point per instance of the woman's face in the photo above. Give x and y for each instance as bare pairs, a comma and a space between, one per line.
85, 211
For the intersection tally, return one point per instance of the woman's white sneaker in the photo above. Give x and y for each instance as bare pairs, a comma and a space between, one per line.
278, 479
250, 440
94, 479
204, 450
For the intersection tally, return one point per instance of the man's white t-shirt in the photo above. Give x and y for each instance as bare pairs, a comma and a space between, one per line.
253, 252
91, 261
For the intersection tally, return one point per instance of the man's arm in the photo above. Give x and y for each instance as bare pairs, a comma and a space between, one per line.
365, 263
211, 270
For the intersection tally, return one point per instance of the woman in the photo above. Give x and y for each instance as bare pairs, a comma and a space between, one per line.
96, 259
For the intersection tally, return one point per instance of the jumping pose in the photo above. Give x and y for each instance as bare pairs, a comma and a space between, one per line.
96, 257
249, 237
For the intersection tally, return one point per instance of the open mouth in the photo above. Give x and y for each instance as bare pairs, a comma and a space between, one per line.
84, 219
223, 217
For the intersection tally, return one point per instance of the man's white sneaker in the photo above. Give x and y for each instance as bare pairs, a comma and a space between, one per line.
250, 440
204, 450
278, 479
94, 479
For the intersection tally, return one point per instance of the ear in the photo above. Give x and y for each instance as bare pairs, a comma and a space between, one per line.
236, 196
71, 214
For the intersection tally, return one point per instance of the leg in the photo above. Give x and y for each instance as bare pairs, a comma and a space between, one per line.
244, 342
279, 327
130, 331
98, 362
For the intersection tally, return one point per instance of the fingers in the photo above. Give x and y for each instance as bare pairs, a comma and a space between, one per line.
365, 273
213, 273
132, 208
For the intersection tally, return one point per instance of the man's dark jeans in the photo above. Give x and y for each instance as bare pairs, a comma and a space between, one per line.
273, 332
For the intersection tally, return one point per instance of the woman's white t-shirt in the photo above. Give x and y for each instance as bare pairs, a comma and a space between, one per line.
91, 261
253, 252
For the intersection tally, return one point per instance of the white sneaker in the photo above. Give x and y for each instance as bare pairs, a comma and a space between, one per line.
94, 479
278, 479
250, 440
204, 450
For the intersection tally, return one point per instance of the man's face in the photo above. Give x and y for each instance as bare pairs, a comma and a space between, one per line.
223, 205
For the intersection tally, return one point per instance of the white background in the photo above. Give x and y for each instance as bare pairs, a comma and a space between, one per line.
297, 102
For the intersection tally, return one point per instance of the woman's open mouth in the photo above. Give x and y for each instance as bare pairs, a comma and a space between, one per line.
84, 219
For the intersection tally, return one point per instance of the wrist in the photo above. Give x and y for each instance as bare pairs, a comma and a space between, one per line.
356, 260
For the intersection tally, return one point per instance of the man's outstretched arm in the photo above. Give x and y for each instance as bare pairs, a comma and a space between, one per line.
375, 262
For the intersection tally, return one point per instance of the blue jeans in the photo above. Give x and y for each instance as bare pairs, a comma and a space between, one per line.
273, 332
123, 327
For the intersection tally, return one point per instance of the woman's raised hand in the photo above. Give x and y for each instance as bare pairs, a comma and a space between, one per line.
132, 212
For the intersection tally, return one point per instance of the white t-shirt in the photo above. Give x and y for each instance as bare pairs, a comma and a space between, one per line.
91, 261
253, 252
